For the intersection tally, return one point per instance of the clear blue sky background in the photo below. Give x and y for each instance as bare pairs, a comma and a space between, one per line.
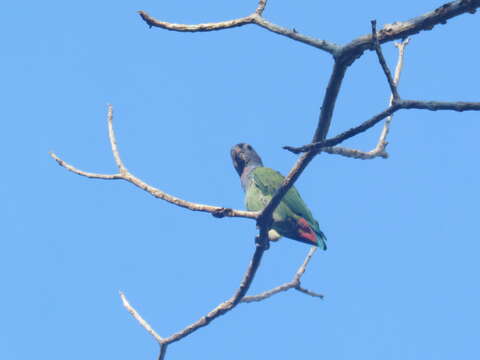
400, 277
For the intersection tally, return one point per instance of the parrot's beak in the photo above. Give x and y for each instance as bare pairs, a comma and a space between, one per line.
238, 160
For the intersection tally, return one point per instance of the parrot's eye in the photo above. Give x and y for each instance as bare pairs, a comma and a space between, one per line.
249, 147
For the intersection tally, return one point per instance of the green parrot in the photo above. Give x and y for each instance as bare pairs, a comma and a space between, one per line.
292, 218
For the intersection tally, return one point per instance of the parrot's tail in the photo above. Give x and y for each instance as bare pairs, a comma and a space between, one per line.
321, 240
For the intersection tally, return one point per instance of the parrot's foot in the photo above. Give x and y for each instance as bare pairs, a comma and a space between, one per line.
222, 212
262, 243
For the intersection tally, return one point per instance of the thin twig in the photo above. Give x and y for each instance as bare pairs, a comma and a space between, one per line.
140, 320
383, 63
124, 174
113, 141
266, 294
84, 173
382, 141
261, 6
356, 154
224, 307
293, 284
355, 130
303, 267
308, 292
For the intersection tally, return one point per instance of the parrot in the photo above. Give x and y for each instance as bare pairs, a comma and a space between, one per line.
291, 218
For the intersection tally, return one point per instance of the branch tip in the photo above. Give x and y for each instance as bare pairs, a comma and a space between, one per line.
261, 7
309, 292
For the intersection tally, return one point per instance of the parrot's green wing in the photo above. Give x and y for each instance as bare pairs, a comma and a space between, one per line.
291, 218
268, 181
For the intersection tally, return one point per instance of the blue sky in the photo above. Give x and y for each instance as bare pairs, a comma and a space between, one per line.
400, 277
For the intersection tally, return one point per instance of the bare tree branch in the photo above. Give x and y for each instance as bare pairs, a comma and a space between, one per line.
379, 150
401, 30
293, 34
124, 174
113, 142
382, 142
329, 101
439, 105
395, 31
266, 294
308, 292
293, 284
152, 22
401, 104
354, 153
84, 173
254, 18
228, 305
221, 309
301, 270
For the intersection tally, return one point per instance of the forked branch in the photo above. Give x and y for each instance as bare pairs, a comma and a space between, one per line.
401, 104
293, 284
124, 174
254, 18
231, 303
379, 150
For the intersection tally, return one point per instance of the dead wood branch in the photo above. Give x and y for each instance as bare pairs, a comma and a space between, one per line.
401, 104
228, 305
254, 18
124, 174
379, 150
